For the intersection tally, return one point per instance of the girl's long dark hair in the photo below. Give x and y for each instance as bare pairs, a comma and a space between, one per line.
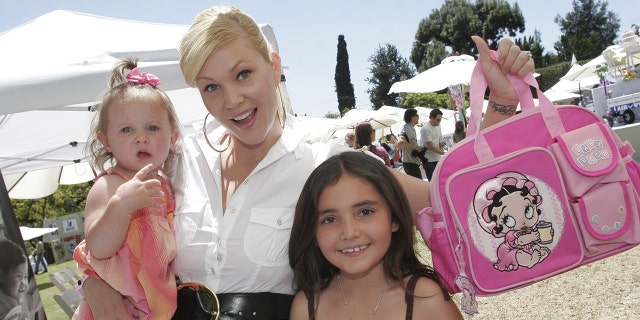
313, 272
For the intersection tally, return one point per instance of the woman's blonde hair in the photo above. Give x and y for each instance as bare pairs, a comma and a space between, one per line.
120, 90
215, 28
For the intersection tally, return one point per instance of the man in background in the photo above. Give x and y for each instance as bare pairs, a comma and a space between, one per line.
431, 137
39, 257
409, 144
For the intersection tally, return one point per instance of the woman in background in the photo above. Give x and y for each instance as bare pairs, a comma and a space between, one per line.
365, 135
459, 132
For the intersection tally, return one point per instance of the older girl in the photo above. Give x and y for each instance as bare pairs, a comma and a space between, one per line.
351, 247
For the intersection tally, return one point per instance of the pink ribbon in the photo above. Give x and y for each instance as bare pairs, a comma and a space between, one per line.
143, 78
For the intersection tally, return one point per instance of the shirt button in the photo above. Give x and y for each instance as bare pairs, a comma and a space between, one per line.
279, 221
234, 210
213, 271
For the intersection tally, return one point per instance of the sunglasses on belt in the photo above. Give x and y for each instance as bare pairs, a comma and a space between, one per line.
196, 301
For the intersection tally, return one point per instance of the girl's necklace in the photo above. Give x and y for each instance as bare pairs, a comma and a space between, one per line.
346, 303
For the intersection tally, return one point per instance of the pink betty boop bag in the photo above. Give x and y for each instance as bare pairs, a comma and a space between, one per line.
546, 191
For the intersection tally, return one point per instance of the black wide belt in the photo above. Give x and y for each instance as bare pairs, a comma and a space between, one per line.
263, 306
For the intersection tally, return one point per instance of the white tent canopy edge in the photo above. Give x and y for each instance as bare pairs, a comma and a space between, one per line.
81, 50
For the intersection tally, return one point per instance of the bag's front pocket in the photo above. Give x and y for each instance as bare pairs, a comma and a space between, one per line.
515, 220
586, 157
607, 215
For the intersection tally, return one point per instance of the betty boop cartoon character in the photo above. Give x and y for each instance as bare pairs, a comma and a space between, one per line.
508, 206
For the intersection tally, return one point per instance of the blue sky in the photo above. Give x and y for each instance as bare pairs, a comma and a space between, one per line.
307, 32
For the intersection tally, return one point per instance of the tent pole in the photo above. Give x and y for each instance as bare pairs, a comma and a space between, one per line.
463, 114
581, 96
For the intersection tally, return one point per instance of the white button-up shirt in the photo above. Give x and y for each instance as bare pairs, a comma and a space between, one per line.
245, 248
433, 134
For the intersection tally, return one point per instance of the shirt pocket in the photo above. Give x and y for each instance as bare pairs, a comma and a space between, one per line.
197, 252
188, 220
267, 239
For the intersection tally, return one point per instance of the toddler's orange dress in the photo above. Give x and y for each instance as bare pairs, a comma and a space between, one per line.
141, 269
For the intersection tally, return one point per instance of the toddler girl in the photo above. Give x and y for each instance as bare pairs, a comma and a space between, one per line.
129, 239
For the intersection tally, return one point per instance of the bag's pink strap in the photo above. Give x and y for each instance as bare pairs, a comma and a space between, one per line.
522, 86
425, 223
477, 87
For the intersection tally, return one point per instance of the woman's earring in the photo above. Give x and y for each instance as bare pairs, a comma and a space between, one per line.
204, 131
283, 119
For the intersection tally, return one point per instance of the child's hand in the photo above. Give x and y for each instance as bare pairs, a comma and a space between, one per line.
140, 192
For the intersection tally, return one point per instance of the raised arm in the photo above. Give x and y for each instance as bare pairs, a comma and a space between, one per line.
503, 101
503, 98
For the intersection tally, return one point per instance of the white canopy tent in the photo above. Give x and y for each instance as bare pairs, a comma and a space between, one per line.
569, 83
63, 58
56, 66
29, 233
616, 57
557, 96
576, 85
382, 122
437, 78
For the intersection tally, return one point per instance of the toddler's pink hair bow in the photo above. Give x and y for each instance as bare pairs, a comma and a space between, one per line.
143, 78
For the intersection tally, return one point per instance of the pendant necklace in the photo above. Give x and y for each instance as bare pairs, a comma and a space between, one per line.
346, 303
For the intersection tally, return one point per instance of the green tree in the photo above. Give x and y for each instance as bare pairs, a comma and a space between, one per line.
427, 100
67, 199
387, 67
332, 115
344, 87
428, 55
587, 30
457, 20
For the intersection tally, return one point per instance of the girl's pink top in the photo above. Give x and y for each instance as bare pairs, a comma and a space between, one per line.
141, 269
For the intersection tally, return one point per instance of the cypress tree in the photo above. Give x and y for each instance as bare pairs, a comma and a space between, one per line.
344, 87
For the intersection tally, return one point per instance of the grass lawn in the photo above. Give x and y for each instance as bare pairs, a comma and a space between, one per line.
54, 312
48, 290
